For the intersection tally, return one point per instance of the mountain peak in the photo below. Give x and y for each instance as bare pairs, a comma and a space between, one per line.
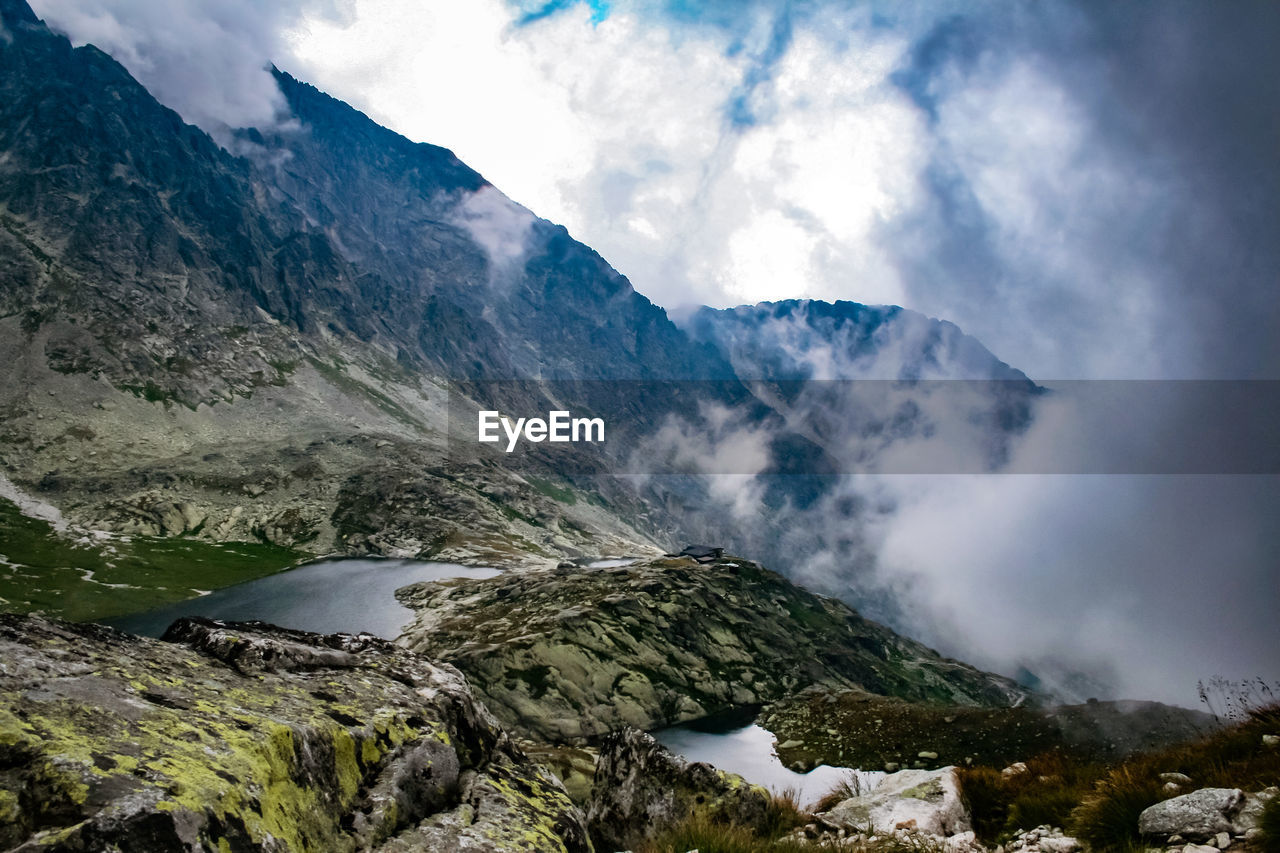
13, 12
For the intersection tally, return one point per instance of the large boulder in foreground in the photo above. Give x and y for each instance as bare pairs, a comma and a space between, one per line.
1199, 815
248, 737
568, 655
927, 801
642, 789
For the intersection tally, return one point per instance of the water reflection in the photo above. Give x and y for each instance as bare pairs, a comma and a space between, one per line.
331, 596
748, 751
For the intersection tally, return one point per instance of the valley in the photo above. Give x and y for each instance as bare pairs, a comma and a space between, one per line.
288, 561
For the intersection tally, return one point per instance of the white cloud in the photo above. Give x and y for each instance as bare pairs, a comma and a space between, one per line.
617, 130
209, 61
1011, 569
499, 225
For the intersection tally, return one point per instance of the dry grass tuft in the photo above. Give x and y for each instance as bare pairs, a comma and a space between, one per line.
849, 786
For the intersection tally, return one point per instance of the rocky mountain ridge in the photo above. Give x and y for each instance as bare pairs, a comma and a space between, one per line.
570, 654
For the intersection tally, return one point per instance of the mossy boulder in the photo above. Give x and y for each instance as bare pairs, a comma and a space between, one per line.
247, 737
570, 654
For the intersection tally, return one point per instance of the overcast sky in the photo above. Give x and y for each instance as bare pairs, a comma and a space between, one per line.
1089, 189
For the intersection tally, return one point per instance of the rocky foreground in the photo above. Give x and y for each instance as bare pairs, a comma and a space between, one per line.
248, 737
255, 738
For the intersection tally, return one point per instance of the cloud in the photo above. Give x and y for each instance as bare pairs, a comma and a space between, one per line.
1161, 580
1046, 161
210, 61
1123, 547
500, 226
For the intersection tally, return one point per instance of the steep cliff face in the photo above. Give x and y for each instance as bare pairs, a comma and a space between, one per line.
265, 334
167, 251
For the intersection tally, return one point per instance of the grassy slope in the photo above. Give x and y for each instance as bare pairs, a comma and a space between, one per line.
857, 729
1100, 802
43, 571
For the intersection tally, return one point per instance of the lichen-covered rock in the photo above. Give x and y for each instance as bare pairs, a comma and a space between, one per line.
253, 738
927, 801
566, 655
575, 766
1198, 815
503, 809
642, 789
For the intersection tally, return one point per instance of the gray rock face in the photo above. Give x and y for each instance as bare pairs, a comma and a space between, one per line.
641, 789
928, 801
1201, 814
1250, 814
255, 738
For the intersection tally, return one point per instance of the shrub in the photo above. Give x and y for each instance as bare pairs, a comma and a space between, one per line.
1270, 826
1107, 819
1236, 701
706, 835
986, 793
783, 814
1046, 794
1100, 804
1045, 805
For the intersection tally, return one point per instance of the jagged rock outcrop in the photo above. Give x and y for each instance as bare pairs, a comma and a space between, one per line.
641, 789
246, 339
570, 654
811, 339
254, 738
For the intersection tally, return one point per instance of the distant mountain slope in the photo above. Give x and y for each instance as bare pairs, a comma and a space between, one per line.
810, 339
261, 340
164, 246
275, 338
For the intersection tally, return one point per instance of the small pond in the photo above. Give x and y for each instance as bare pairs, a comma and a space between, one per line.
747, 750
327, 597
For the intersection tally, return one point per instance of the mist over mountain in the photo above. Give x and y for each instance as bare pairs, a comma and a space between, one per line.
283, 336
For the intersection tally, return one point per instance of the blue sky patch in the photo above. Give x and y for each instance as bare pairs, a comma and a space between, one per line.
531, 12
